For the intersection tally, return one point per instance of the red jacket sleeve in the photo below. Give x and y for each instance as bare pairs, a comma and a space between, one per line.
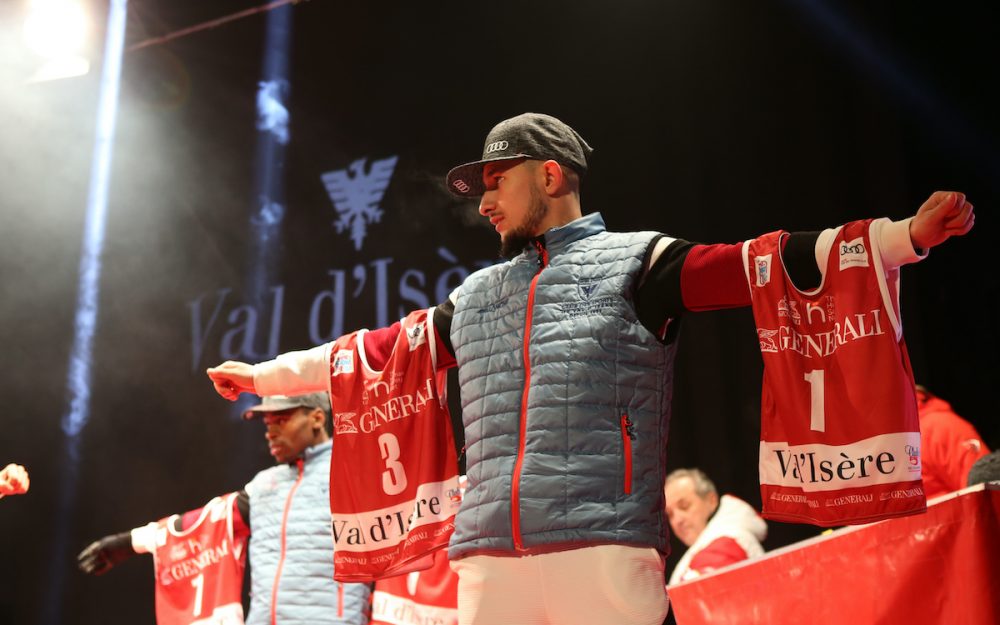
378, 346
950, 446
721, 552
241, 526
189, 518
712, 277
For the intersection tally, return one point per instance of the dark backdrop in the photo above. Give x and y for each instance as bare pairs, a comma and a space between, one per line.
712, 121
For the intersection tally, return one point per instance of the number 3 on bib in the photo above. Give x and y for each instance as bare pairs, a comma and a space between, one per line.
817, 411
394, 477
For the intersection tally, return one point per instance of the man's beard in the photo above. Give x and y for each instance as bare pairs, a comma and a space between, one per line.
519, 238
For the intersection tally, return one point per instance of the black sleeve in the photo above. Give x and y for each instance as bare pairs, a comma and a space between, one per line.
442, 323
659, 297
120, 544
243, 506
799, 255
102, 555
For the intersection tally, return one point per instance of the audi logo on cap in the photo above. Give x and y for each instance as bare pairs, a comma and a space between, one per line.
497, 146
461, 186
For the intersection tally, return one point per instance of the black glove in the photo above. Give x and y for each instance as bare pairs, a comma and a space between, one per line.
101, 555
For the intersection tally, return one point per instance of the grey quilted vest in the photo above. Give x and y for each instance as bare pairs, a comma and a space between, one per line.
306, 592
589, 467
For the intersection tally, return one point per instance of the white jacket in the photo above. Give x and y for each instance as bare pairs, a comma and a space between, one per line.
734, 521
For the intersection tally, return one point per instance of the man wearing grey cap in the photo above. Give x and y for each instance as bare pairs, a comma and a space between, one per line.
286, 510
565, 360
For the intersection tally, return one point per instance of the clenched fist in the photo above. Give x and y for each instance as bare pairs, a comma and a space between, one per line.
232, 378
945, 214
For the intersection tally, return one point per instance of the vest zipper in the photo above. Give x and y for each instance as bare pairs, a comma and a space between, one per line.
515, 487
281, 559
340, 600
628, 435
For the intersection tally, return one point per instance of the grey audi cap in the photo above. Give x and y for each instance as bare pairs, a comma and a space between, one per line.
277, 403
529, 135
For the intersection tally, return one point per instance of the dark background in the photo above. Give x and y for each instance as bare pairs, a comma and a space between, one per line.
713, 121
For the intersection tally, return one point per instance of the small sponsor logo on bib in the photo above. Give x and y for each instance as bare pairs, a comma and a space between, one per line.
343, 362
763, 267
416, 336
853, 254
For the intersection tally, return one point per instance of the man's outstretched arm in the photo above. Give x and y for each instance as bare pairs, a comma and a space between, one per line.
294, 373
308, 371
103, 554
687, 277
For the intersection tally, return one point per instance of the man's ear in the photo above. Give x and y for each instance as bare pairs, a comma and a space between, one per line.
318, 418
553, 177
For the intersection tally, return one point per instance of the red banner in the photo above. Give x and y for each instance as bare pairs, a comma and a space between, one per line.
942, 566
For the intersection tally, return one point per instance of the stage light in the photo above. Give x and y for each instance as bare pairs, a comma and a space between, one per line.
85, 322
57, 32
56, 28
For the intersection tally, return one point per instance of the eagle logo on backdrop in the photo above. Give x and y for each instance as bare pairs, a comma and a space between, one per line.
356, 195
